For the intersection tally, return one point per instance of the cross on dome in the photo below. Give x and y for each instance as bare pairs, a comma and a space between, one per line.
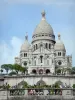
59, 36
26, 36
43, 14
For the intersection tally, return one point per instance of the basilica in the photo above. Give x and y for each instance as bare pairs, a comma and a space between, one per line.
45, 54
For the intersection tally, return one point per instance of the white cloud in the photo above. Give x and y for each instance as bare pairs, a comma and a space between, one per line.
9, 51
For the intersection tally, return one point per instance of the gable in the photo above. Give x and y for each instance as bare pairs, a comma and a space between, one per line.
41, 50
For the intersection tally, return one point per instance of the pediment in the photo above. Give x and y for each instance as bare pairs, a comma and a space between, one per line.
41, 50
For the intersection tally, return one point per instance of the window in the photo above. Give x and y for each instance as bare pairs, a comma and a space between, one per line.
49, 46
42, 35
25, 54
59, 53
46, 45
41, 57
36, 46
25, 63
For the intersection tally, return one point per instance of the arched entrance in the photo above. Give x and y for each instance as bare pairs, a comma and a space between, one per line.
41, 71
47, 71
34, 71
41, 83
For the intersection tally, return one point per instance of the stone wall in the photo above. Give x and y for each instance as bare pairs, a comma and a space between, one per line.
33, 79
38, 98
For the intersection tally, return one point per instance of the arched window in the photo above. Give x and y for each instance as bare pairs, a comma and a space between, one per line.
25, 54
59, 53
41, 71
47, 71
49, 46
36, 46
34, 71
41, 58
46, 45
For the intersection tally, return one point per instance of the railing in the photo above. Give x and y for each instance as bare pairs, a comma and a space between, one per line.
41, 91
38, 94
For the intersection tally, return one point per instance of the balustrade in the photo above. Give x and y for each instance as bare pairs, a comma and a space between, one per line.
32, 91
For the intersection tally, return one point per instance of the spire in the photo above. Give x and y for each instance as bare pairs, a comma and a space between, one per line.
59, 36
26, 36
43, 14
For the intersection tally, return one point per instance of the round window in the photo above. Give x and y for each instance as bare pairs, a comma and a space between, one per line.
25, 63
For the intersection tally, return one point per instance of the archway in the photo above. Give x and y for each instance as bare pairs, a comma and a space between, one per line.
40, 83
41, 71
34, 71
60, 84
47, 71
22, 84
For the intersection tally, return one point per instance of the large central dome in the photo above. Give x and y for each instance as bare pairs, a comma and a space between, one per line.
43, 26
43, 31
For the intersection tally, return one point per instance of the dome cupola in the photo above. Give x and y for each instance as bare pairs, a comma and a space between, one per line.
59, 44
25, 46
43, 30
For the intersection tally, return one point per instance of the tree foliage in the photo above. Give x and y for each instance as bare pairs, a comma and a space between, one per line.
73, 70
1, 71
59, 71
12, 73
6, 67
73, 85
13, 67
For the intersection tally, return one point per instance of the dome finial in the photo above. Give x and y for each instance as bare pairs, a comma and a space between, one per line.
43, 14
26, 36
59, 36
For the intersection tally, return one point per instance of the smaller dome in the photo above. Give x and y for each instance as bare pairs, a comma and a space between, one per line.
25, 46
59, 44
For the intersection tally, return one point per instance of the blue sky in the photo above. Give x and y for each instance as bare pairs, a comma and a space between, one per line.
20, 16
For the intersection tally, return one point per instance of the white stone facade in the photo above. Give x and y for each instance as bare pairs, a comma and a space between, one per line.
44, 54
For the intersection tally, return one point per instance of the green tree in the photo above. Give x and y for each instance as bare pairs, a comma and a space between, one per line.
68, 70
12, 73
59, 71
11, 67
24, 70
17, 68
73, 70
1, 71
6, 67
73, 86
